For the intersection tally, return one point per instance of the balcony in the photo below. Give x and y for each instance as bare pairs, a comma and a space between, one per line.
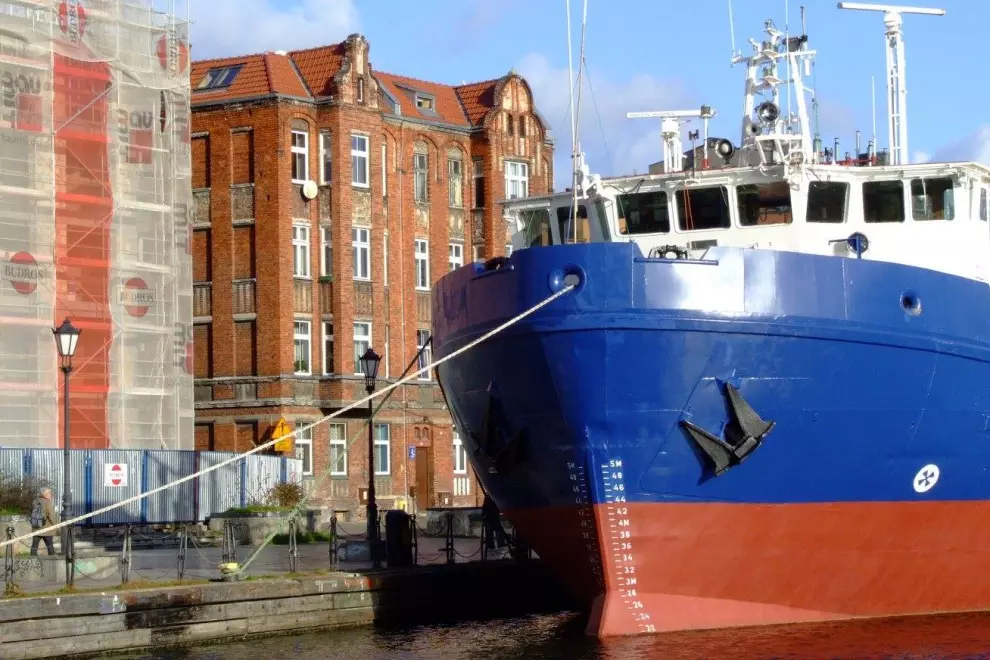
423, 308
202, 299
326, 297
201, 205
242, 202
325, 198
302, 296
362, 299
243, 297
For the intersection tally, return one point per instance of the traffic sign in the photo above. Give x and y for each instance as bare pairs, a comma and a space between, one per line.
282, 430
114, 475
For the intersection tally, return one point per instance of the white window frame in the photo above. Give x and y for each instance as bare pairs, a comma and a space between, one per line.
326, 251
455, 255
384, 162
298, 151
477, 252
338, 447
360, 160
300, 250
421, 255
364, 339
426, 356
385, 258
326, 151
299, 336
303, 440
387, 443
327, 354
455, 201
508, 249
516, 172
361, 253
460, 455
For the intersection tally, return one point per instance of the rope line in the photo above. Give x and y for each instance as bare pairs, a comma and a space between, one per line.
491, 333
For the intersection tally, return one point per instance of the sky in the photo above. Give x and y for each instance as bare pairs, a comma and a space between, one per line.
643, 55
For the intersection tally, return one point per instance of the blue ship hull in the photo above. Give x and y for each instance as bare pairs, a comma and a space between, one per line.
748, 407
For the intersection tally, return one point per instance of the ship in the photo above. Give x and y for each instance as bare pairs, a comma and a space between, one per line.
763, 397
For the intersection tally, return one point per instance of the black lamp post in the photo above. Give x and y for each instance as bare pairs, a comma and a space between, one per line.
369, 365
66, 338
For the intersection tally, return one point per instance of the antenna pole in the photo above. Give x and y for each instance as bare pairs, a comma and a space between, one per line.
873, 142
897, 132
570, 93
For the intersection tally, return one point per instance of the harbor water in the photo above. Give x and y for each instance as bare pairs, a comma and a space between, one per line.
561, 637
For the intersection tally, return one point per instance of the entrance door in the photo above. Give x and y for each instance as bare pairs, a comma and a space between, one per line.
424, 478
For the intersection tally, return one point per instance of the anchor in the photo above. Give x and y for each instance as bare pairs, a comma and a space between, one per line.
743, 434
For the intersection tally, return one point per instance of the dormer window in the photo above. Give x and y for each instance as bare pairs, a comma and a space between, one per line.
219, 77
424, 102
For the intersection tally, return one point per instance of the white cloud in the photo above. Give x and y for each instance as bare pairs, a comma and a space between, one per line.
632, 144
921, 157
236, 27
975, 146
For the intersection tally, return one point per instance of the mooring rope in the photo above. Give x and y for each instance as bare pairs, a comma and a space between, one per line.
46, 531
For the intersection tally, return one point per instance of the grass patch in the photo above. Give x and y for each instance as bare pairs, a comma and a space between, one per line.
303, 537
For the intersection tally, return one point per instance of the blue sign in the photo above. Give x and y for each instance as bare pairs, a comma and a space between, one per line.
412, 453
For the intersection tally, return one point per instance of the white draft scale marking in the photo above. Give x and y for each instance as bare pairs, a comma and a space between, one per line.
586, 512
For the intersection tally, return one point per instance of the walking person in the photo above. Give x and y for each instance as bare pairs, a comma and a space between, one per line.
43, 515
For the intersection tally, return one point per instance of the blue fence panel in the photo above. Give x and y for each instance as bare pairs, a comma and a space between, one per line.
220, 489
262, 473
116, 476
12, 463
178, 503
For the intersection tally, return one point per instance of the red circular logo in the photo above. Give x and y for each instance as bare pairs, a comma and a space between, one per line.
115, 475
22, 272
72, 19
182, 55
136, 297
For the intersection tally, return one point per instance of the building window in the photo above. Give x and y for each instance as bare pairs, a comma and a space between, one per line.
326, 157
362, 340
419, 177
478, 252
303, 347
303, 443
382, 446
338, 450
516, 179
422, 252
360, 90
508, 249
219, 78
361, 253
479, 183
359, 160
328, 347
460, 455
300, 251
300, 156
385, 258
326, 252
425, 353
384, 161
424, 102
456, 182
456, 256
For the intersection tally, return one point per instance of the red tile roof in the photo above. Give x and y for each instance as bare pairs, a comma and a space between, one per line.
309, 73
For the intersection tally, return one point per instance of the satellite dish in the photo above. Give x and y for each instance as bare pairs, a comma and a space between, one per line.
309, 189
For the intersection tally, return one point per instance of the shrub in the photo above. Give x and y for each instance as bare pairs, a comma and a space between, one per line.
17, 494
285, 495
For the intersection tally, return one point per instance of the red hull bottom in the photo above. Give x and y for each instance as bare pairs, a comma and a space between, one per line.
645, 568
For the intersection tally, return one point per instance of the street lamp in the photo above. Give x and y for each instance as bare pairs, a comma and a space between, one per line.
66, 338
369, 365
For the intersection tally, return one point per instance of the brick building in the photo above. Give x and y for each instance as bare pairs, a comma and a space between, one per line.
293, 282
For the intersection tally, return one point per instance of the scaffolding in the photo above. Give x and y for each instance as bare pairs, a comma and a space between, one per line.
95, 221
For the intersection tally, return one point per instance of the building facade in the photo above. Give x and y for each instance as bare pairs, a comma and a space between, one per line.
330, 197
95, 199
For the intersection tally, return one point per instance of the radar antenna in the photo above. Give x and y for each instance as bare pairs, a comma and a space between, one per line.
670, 129
897, 133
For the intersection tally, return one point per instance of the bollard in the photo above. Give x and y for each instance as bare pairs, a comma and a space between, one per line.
125, 557
183, 545
8, 563
229, 552
415, 540
293, 548
449, 546
484, 535
333, 543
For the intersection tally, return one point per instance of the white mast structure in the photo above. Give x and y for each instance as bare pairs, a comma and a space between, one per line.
670, 130
897, 133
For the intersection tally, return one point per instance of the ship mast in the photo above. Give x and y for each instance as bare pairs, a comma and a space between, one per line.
897, 133
580, 179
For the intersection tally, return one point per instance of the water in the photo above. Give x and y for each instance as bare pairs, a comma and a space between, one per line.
560, 637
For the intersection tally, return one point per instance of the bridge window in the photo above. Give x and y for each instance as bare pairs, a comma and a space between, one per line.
703, 208
827, 201
883, 201
536, 225
764, 204
932, 199
643, 213
569, 233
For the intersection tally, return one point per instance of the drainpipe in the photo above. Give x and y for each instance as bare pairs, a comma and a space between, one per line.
400, 171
